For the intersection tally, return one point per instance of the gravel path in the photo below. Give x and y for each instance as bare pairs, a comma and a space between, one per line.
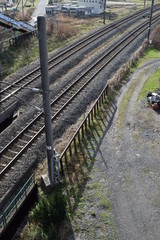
133, 171
126, 171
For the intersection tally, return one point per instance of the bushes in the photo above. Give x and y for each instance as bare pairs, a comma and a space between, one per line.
155, 37
48, 215
23, 16
61, 30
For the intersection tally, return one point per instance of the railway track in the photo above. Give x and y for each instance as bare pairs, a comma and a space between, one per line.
21, 83
14, 150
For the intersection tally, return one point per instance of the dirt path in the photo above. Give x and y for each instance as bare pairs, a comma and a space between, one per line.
120, 196
134, 164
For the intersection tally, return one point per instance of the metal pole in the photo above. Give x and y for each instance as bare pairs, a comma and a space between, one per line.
22, 8
150, 19
42, 36
104, 13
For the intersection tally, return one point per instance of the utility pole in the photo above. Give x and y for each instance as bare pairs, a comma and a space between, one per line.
150, 19
104, 13
51, 155
22, 8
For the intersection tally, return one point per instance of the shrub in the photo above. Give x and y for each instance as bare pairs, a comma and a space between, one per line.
155, 37
50, 212
63, 32
23, 16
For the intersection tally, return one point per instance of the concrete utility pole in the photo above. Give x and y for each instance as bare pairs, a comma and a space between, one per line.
150, 19
22, 8
104, 13
51, 156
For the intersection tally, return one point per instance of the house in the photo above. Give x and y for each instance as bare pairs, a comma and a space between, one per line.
68, 9
97, 6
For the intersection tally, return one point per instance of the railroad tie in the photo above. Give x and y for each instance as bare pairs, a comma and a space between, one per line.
23, 141
11, 151
3, 164
30, 136
19, 146
31, 131
5, 156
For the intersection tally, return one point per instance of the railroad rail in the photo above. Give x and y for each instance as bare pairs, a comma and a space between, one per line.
19, 84
14, 150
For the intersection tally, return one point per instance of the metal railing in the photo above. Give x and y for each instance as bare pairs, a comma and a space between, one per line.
17, 24
14, 205
79, 134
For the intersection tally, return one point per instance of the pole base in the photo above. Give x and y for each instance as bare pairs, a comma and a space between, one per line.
46, 185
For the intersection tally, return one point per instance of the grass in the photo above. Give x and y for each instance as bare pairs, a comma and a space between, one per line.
82, 189
125, 101
79, 174
150, 54
94, 201
15, 58
152, 83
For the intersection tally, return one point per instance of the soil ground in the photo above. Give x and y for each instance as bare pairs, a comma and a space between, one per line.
121, 197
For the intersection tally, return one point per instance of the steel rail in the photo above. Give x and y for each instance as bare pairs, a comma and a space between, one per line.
119, 47
61, 56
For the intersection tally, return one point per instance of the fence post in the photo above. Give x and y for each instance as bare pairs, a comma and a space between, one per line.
89, 119
102, 97
92, 114
66, 160
85, 124
82, 132
75, 146
79, 140
70, 151
61, 164
95, 111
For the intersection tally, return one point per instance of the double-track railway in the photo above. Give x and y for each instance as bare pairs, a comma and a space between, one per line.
14, 150
13, 88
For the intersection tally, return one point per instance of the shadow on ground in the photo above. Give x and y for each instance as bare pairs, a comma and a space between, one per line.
77, 172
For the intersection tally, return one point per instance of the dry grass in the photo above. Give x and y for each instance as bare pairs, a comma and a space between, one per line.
65, 27
62, 27
60, 145
23, 17
116, 80
155, 37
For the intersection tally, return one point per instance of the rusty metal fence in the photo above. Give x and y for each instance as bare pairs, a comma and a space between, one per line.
71, 148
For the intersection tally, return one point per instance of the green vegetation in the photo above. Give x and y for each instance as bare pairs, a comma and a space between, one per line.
68, 29
152, 83
85, 195
150, 54
47, 216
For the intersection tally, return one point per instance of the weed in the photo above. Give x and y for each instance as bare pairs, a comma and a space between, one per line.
151, 84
